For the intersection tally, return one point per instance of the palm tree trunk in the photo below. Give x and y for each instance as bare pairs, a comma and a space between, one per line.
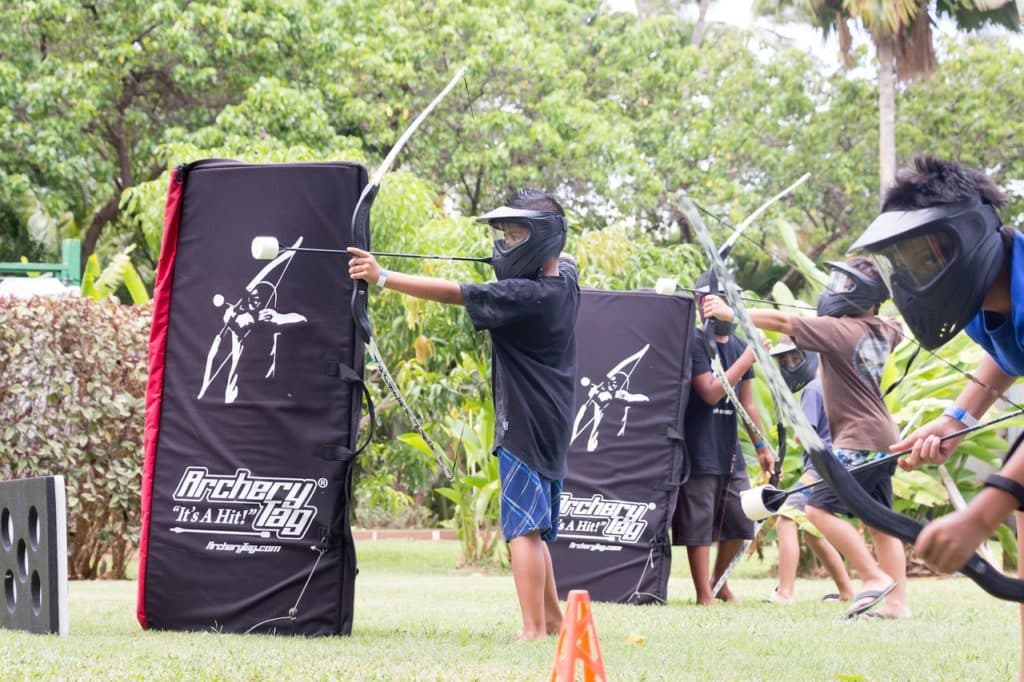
886, 114
698, 28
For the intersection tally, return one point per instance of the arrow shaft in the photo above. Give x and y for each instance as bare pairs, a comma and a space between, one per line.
388, 254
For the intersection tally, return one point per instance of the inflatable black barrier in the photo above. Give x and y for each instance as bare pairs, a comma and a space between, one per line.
34, 555
626, 458
253, 404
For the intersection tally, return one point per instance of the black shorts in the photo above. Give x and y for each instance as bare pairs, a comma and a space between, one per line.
708, 510
876, 481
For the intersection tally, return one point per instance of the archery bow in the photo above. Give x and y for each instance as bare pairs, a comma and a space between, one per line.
723, 252
718, 369
361, 240
845, 486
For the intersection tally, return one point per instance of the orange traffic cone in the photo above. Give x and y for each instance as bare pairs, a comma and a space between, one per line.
578, 642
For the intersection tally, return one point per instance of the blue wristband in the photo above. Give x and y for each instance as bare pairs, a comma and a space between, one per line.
383, 279
961, 415
758, 445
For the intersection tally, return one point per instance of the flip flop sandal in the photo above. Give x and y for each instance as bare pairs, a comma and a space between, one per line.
874, 596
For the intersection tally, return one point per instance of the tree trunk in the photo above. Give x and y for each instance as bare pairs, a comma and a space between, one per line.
698, 28
886, 114
100, 219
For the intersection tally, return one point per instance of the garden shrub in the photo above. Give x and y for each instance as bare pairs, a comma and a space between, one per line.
72, 387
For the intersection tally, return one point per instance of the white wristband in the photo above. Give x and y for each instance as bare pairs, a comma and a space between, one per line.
961, 415
383, 278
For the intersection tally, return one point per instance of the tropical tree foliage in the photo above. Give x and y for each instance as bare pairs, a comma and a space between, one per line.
901, 31
615, 114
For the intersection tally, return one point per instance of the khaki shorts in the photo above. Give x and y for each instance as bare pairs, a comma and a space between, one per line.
708, 510
794, 506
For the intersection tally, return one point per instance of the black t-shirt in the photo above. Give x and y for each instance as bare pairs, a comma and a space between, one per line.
712, 440
533, 351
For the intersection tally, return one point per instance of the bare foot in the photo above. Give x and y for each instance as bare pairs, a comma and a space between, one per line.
883, 615
553, 626
725, 594
531, 635
705, 601
898, 613
777, 597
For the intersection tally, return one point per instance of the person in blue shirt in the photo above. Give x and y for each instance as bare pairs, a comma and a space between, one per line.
800, 370
530, 313
955, 266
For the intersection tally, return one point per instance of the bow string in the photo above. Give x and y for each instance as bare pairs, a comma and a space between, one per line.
361, 240
718, 369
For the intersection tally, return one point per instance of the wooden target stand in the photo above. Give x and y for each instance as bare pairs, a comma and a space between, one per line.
33, 555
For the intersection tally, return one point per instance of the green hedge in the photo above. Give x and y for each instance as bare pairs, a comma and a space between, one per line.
72, 387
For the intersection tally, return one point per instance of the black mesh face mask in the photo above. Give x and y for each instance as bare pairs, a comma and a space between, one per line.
849, 292
940, 263
523, 240
798, 366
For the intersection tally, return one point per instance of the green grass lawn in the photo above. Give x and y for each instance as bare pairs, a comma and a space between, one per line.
416, 618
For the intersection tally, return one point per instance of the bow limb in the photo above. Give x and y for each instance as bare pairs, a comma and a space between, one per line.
723, 252
726, 247
780, 453
845, 486
361, 215
361, 240
718, 369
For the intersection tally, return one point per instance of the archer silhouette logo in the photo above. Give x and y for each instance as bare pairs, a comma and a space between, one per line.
256, 310
612, 390
248, 505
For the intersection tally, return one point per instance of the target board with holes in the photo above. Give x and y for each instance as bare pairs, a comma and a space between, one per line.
626, 457
33, 555
253, 404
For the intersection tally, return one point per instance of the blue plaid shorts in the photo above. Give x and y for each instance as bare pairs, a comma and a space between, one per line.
529, 501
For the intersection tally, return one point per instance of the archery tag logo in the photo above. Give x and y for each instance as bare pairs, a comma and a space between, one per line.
598, 518
250, 329
248, 505
612, 390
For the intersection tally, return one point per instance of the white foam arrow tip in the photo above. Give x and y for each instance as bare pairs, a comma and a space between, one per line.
265, 248
752, 503
665, 285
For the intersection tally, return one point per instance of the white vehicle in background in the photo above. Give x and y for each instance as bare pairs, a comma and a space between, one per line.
26, 287
20, 280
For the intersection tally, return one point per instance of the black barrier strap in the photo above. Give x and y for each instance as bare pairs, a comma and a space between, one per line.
677, 438
673, 435
333, 453
340, 453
